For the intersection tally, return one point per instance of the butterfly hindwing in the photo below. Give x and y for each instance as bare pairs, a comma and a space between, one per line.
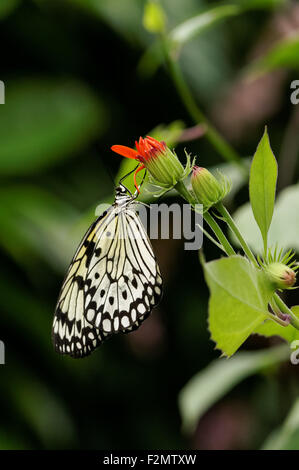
71, 333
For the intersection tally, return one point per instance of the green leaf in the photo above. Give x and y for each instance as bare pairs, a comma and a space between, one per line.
197, 24
271, 328
7, 7
282, 55
34, 224
286, 437
43, 122
262, 185
211, 384
240, 294
284, 228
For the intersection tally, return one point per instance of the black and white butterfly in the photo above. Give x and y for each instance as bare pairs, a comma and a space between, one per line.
112, 284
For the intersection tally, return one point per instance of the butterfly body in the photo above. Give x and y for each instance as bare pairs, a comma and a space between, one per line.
112, 284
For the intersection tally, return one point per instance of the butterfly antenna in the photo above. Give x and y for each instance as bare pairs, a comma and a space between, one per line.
124, 177
128, 174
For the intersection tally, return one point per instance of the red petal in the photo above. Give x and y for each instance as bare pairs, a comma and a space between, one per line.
125, 151
154, 142
138, 148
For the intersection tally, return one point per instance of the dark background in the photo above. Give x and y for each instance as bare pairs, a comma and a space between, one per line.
74, 87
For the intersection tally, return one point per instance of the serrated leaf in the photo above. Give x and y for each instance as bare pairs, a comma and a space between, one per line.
262, 185
219, 377
271, 328
240, 294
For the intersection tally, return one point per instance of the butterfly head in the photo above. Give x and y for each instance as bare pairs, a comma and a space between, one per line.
122, 195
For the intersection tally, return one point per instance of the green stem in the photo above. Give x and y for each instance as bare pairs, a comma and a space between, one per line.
183, 191
215, 138
285, 309
219, 234
277, 314
265, 247
232, 225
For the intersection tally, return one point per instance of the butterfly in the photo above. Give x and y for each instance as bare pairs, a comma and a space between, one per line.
112, 284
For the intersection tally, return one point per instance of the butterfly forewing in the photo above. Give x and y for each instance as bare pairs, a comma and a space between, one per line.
71, 333
111, 286
124, 282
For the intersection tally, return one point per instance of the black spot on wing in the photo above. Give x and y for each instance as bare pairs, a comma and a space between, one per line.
89, 252
80, 281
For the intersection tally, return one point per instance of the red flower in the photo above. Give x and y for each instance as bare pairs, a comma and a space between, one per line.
161, 163
147, 149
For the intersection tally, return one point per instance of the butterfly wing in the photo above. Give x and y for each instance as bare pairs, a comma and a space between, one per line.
71, 333
123, 279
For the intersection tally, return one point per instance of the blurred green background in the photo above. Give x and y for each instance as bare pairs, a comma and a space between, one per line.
80, 76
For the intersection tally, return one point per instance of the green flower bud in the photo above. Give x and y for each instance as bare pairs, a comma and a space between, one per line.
154, 19
207, 189
160, 161
281, 275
